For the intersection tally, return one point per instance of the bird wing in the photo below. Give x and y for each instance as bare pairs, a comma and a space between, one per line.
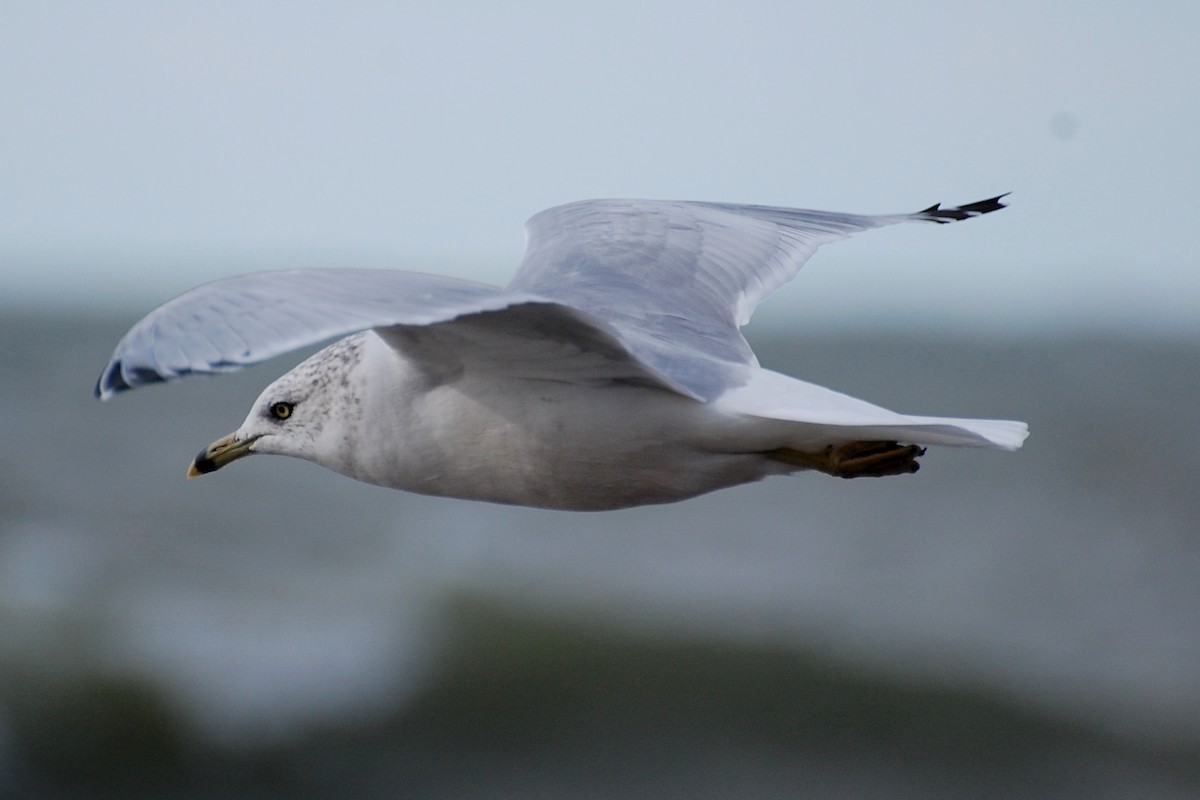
637, 290
677, 279
232, 323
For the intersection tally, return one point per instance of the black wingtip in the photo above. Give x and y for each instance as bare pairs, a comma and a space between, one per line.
118, 377
935, 213
111, 381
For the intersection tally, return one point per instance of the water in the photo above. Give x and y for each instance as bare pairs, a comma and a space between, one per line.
1016, 625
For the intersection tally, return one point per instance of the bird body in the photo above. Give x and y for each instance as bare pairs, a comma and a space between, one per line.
512, 439
609, 373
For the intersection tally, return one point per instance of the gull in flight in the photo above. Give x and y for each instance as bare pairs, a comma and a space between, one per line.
609, 372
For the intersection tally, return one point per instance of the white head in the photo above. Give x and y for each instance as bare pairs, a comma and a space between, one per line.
308, 413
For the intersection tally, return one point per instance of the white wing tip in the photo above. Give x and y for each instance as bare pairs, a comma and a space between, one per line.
1002, 434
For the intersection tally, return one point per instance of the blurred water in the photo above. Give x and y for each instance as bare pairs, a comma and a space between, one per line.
1040, 608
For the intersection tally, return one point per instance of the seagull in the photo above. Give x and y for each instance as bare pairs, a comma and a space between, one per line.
610, 372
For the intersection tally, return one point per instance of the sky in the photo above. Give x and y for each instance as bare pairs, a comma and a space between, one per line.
150, 147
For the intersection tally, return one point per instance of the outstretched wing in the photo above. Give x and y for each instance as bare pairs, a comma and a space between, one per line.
231, 323
651, 291
677, 279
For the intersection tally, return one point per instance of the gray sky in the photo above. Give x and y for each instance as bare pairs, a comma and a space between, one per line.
148, 147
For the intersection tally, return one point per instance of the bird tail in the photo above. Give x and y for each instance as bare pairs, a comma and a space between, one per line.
813, 416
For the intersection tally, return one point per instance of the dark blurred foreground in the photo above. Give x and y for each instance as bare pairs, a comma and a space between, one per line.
539, 709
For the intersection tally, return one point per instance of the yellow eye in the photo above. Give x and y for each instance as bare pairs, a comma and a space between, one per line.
281, 410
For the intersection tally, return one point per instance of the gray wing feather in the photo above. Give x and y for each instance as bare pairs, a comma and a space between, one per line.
704, 261
231, 323
655, 289
677, 279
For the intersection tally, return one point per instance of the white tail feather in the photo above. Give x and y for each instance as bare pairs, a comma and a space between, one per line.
821, 416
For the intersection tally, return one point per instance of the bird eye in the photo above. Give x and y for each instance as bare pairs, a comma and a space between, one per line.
281, 410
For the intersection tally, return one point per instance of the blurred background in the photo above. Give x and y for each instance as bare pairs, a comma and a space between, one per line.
1008, 625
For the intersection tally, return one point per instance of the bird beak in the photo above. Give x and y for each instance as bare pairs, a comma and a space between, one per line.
219, 453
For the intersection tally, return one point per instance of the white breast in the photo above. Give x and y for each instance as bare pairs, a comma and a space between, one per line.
534, 442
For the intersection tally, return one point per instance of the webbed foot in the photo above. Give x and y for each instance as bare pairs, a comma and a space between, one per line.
856, 459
